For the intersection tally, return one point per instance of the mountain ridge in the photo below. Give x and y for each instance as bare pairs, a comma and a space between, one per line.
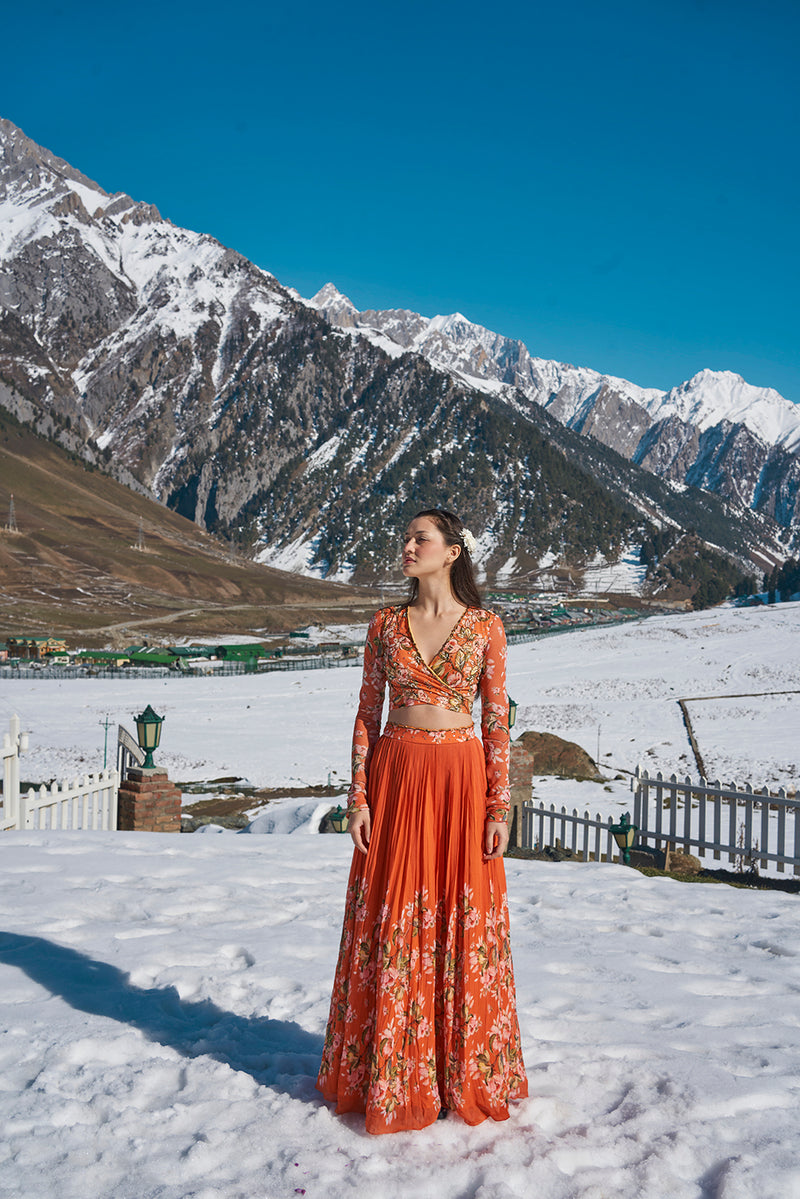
586, 399
170, 360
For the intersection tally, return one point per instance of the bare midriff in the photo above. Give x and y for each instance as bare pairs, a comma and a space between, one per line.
428, 716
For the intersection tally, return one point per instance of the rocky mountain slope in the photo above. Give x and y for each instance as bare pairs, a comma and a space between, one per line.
189, 372
714, 431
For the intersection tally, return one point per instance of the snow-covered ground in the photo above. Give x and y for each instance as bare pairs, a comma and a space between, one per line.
316, 633
163, 998
772, 726
624, 682
336, 632
624, 577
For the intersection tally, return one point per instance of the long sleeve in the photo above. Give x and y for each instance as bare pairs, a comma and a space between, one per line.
368, 718
494, 723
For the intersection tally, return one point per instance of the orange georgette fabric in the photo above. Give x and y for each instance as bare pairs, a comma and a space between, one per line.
472, 658
423, 1012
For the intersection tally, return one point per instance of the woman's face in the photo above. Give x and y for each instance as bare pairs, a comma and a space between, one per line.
425, 551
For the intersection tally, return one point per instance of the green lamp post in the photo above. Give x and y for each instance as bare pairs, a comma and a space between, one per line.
338, 819
512, 712
625, 835
148, 734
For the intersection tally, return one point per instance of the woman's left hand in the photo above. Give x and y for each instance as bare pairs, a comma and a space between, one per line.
495, 842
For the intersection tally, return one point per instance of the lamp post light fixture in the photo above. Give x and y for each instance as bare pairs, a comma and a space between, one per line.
625, 835
338, 819
512, 712
148, 734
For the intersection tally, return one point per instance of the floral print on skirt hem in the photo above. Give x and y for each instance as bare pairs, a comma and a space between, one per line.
423, 1013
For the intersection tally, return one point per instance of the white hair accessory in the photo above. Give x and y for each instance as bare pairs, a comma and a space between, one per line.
469, 541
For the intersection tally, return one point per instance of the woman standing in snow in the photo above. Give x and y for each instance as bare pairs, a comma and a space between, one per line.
423, 1017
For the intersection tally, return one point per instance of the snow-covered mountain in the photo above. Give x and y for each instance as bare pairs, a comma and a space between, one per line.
711, 397
714, 431
306, 435
122, 312
485, 359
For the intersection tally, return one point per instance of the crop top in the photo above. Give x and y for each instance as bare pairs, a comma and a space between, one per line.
473, 657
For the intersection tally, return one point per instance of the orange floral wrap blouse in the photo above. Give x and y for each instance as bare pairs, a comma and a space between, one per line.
472, 658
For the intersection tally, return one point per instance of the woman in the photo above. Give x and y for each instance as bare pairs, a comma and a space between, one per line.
423, 1016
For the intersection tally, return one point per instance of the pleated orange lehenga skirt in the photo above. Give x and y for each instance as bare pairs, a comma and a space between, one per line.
423, 1014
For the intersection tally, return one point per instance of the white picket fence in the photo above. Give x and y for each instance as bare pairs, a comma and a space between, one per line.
746, 827
589, 837
86, 803
14, 742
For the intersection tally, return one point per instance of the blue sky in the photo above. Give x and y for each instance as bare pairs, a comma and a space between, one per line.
614, 183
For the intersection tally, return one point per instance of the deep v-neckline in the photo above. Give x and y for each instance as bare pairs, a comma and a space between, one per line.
429, 665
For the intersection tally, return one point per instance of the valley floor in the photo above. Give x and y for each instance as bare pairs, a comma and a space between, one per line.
616, 685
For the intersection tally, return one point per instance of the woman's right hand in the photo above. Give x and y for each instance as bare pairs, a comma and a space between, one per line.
358, 827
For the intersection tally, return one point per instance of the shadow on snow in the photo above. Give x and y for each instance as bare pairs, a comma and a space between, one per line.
277, 1053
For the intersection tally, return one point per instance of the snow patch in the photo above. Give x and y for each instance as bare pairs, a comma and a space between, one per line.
506, 571
323, 454
626, 576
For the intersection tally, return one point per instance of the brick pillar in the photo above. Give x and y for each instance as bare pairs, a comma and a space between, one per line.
520, 778
148, 802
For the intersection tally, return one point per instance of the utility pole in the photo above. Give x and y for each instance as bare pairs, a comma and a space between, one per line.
106, 724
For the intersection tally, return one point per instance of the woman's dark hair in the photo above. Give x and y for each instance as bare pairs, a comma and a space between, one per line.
462, 574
